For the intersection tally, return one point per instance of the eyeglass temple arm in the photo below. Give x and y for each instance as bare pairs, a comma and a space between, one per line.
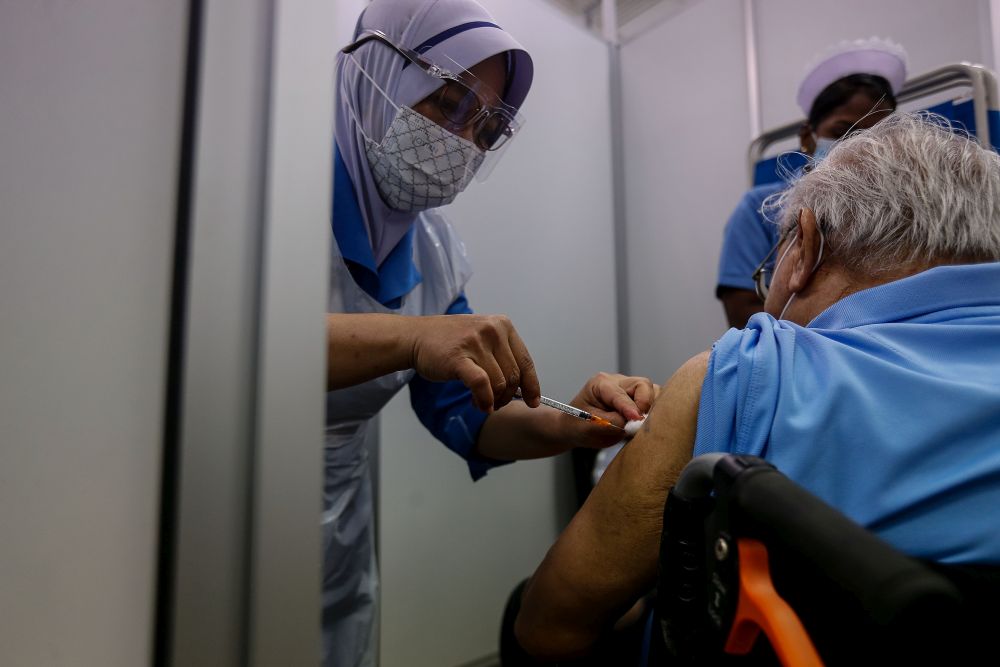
379, 36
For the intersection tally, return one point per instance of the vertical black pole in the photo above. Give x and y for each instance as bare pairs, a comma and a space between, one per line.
172, 416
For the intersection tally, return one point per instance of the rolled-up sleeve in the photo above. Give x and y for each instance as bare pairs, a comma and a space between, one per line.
741, 389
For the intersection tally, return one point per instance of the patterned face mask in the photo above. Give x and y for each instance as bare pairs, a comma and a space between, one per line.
420, 165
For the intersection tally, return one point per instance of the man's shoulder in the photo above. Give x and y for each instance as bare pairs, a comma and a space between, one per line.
692, 372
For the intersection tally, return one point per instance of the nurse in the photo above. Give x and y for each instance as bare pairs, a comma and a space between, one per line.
852, 87
428, 92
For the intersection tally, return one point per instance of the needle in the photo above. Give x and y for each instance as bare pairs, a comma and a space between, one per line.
573, 412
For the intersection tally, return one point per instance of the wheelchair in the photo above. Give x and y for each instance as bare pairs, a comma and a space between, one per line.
746, 554
755, 571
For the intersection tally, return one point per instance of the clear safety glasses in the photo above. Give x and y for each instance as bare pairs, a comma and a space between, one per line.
462, 99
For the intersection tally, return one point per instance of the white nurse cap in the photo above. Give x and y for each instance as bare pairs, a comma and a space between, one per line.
876, 56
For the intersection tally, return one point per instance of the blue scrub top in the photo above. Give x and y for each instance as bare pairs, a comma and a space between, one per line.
747, 239
886, 406
444, 408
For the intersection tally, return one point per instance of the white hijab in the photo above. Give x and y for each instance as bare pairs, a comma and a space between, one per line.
445, 32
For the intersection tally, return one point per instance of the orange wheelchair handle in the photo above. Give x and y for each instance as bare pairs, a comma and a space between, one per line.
759, 607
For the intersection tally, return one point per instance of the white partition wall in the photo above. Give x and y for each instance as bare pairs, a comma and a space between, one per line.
934, 33
686, 133
285, 569
164, 226
539, 233
90, 132
209, 616
990, 26
248, 554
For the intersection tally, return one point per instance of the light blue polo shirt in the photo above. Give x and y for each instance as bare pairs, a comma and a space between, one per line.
886, 406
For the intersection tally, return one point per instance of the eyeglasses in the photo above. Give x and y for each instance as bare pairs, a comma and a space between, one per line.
763, 274
765, 270
460, 98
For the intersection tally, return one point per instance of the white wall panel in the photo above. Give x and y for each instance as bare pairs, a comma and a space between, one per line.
791, 32
991, 32
686, 111
346, 13
248, 574
686, 132
539, 233
220, 354
89, 134
286, 568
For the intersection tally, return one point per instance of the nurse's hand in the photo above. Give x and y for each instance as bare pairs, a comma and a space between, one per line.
484, 352
519, 432
617, 398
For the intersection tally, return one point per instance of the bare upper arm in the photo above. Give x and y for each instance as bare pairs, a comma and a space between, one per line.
607, 557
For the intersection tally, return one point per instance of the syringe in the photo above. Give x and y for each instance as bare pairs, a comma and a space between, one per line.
572, 411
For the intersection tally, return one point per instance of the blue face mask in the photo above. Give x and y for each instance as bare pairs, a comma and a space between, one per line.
823, 147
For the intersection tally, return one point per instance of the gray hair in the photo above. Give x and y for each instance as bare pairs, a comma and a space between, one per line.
907, 190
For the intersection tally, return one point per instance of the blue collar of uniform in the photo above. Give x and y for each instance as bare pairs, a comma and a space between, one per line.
940, 288
397, 275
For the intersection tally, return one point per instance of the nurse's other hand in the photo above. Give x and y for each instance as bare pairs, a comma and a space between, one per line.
617, 398
484, 352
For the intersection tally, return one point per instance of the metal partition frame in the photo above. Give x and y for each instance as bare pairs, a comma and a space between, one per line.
247, 557
286, 570
609, 18
981, 80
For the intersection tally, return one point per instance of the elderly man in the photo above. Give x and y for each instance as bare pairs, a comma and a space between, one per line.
877, 387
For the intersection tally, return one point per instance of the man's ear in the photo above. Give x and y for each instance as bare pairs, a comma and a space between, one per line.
805, 257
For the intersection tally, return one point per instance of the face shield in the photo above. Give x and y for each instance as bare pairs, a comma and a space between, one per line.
460, 102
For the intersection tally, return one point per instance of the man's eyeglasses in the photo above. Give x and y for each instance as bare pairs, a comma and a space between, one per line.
765, 270
460, 98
